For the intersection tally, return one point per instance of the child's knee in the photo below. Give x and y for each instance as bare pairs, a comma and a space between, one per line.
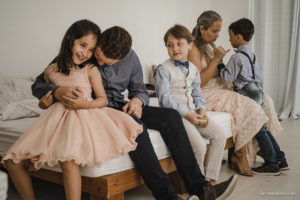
69, 166
222, 136
199, 146
216, 132
10, 164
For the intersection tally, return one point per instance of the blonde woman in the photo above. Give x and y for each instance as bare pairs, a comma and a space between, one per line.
247, 116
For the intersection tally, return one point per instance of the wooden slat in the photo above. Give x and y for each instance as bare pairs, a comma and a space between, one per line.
48, 175
177, 182
106, 186
124, 181
229, 143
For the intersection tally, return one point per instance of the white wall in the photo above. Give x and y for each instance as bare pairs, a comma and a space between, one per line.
230, 11
31, 31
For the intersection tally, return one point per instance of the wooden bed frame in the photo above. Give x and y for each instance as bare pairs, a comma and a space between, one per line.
113, 186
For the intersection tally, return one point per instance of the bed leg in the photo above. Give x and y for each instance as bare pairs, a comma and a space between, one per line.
177, 182
116, 197
230, 152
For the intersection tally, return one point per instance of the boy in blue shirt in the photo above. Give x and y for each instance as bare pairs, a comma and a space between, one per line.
177, 83
245, 72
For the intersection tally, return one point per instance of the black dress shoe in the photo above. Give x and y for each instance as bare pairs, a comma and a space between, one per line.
220, 191
266, 170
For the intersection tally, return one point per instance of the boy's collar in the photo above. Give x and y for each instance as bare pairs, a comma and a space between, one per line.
173, 61
244, 46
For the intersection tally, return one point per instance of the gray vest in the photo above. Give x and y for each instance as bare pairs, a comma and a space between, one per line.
181, 85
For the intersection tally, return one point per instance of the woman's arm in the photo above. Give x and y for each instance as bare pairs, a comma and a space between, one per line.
206, 74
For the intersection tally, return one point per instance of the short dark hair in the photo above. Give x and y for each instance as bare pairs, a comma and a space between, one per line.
178, 31
244, 27
115, 42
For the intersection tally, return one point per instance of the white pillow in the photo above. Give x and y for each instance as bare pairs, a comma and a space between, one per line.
21, 109
14, 90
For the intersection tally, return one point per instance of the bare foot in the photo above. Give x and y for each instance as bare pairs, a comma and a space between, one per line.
212, 183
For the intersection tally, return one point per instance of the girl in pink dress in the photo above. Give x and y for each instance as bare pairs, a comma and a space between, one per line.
76, 132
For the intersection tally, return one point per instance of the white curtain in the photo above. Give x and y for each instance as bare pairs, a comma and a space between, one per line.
276, 43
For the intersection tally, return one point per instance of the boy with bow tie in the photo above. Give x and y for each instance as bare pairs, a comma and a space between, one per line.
177, 83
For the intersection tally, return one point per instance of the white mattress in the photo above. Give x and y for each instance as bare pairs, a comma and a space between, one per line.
11, 130
222, 118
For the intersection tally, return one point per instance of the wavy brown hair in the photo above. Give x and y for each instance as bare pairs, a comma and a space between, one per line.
178, 31
115, 42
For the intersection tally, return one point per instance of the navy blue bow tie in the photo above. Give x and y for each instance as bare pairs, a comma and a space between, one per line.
185, 64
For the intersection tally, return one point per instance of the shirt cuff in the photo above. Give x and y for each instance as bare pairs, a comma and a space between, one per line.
197, 109
141, 98
220, 66
182, 111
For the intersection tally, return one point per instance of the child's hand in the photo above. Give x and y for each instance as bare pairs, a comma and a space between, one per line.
219, 52
46, 101
193, 118
65, 91
79, 102
203, 115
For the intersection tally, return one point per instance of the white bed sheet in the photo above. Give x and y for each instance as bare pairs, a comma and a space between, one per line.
11, 130
222, 118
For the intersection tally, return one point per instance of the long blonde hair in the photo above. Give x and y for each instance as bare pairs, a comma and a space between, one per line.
206, 19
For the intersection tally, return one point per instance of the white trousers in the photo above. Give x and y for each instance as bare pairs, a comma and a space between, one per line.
198, 136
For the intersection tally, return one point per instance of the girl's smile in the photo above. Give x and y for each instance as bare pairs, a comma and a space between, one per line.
83, 48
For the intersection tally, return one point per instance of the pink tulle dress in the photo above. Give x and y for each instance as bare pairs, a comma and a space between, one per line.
87, 136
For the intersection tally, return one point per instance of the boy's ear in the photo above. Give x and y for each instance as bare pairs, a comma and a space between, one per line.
190, 45
240, 37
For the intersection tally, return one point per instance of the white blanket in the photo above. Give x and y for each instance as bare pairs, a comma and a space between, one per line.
21, 109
